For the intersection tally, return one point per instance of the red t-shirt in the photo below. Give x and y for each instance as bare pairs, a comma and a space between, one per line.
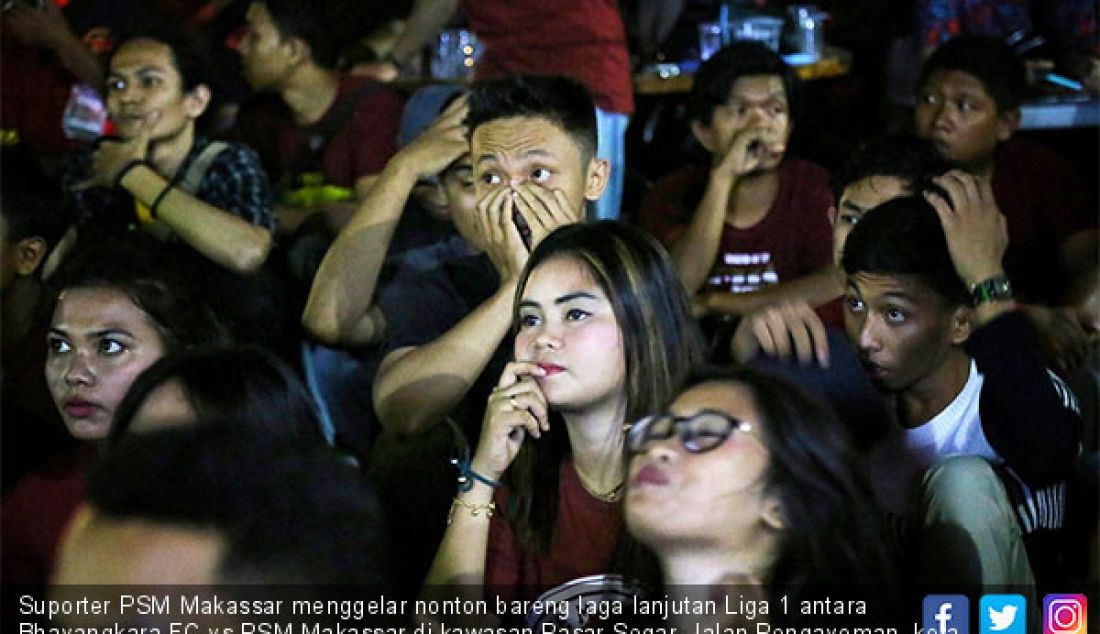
366, 142
793, 239
582, 39
36, 513
585, 535
1044, 202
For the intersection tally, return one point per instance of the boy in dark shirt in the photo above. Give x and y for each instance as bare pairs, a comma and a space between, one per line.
968, 105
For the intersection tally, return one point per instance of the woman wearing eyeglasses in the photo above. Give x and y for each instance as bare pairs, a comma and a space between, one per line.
603, 335
746, 480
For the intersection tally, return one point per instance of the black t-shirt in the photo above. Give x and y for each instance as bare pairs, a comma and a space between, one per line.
422, 308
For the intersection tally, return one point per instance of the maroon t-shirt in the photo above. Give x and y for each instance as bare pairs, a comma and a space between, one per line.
363, 146
35, 514
1044, 202
793, 239
585, 535
582, 39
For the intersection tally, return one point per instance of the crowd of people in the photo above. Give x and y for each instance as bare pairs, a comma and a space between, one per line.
350, 332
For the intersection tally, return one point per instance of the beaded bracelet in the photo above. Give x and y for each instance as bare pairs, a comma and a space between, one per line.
476, 510
467, 476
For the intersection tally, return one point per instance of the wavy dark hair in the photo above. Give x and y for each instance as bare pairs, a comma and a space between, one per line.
245, 384
833, 533
661, 345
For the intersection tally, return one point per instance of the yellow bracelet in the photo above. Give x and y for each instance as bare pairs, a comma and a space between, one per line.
475, 509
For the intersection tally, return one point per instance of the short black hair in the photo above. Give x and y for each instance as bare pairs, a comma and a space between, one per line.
904, 236
561, 100
192, 54
902, 156
289, 513
988, 59
245, 384
153, 279
717, 75
30, 201
326, 26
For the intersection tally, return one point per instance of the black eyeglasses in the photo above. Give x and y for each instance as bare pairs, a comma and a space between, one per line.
702, 432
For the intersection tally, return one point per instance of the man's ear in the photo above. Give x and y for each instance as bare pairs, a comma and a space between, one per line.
1007, 124
197, 100
832, 215
29, 254
772, 514
962, 324
595, 182
705, 135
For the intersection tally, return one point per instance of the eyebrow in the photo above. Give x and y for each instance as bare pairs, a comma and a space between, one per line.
564, 299
532, 153
140, 70
779, 94
106, 332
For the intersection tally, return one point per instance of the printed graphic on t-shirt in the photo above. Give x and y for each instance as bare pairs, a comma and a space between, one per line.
743, 272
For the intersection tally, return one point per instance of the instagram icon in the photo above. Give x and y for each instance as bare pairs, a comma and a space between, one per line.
1065, 614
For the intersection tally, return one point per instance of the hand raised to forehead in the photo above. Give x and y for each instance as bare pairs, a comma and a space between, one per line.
443, 142
976, 230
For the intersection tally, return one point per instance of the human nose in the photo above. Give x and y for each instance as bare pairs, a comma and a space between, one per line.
869, 336
78, 370
942, 116
129, 93
548, 336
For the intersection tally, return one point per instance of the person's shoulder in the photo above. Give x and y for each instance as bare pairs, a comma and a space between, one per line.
1025, 158
680, 178
373, 94
804, 171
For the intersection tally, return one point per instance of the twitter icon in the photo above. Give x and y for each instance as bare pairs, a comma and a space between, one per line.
1002, 614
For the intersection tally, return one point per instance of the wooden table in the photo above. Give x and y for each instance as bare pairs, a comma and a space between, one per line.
834, 63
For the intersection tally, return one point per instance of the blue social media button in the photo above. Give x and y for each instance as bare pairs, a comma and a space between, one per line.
1002, 614
946, 614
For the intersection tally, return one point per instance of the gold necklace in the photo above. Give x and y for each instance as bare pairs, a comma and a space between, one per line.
611, 496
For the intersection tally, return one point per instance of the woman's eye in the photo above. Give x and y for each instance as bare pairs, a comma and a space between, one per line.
110, 346
57, 345
576, 314
854, 304
115, 85
928, 98
540, 175
778, 110
490, 178
966, 105
150, 82
849, 219
527, 321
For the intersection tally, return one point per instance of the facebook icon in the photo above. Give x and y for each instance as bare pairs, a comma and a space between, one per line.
946, 614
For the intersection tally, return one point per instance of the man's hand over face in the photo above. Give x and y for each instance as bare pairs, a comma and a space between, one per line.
747, 150
544, 209
441, 144
113, 155
499, 234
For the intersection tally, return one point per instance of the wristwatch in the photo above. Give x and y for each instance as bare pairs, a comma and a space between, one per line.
994, 289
